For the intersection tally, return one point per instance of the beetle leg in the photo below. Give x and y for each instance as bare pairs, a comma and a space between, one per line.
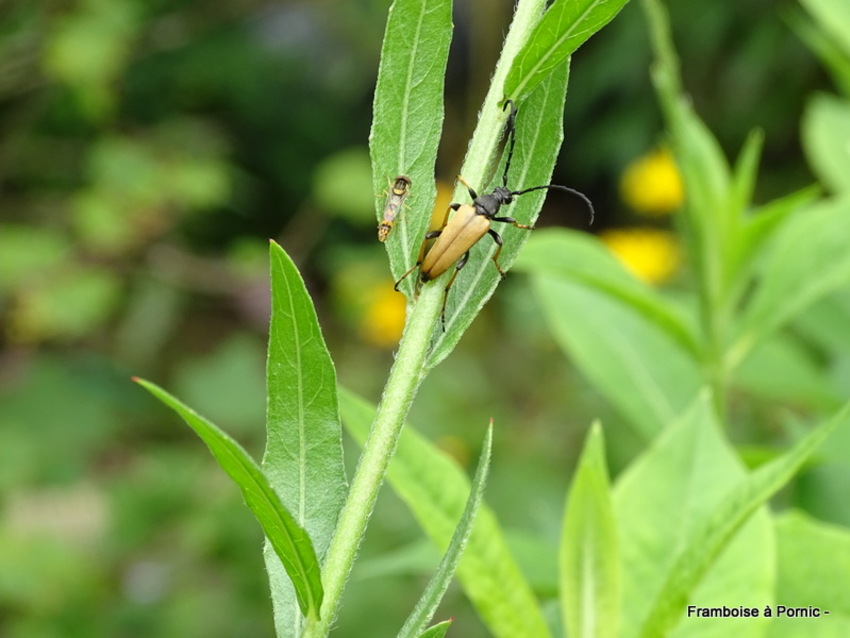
446, 218
429, 235
469, 188
460, 264
498, 239
511, 220
404, 276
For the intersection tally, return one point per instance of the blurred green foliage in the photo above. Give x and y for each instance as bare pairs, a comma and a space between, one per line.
148, 150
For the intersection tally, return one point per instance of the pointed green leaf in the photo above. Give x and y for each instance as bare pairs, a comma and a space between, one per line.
289, 540
565, 26
745, 173
589, 559
710, 536
408, 119
433, 594
435, 489
303, 459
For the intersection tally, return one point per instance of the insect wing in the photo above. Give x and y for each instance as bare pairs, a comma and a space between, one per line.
459, 235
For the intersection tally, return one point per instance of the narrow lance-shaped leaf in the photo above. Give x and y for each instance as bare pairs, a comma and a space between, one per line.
433, 594
303, 458
435, 489
565, 26
408, 118
589, 559
289, 540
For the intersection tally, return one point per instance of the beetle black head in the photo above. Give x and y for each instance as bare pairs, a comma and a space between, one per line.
489, 205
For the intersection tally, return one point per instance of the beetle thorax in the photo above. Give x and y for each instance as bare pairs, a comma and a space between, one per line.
489, 205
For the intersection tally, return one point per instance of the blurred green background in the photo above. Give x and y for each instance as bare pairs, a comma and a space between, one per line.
148, 151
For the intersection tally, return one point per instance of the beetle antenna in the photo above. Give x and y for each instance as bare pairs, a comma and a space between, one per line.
510, 129
579, 194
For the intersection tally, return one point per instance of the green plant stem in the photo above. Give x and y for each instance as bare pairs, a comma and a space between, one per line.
485, 140
404, 380
407, 371
714, 318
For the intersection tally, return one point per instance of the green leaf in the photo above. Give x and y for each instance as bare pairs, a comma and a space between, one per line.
833, 16
289, 540
565, 26
638, 367
573, 256
708, 537
826, 140
303, 459
591, 576
408, 117
435, 489
538, 139
433, 594
803, 379
437, 631
808, 259
745, 173
813, 558
826, 47
662, 499
759, 227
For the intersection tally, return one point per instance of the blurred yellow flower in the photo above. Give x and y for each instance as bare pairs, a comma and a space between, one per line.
651, 255
383, 320
651, 185
445, 191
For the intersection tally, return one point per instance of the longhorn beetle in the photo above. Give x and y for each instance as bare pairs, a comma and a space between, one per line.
398, 193
472, 221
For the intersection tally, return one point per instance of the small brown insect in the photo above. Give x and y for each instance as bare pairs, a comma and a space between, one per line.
395, 200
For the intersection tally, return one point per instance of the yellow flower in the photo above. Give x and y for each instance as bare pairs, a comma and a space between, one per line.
651, 185
651, 255
383, 320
